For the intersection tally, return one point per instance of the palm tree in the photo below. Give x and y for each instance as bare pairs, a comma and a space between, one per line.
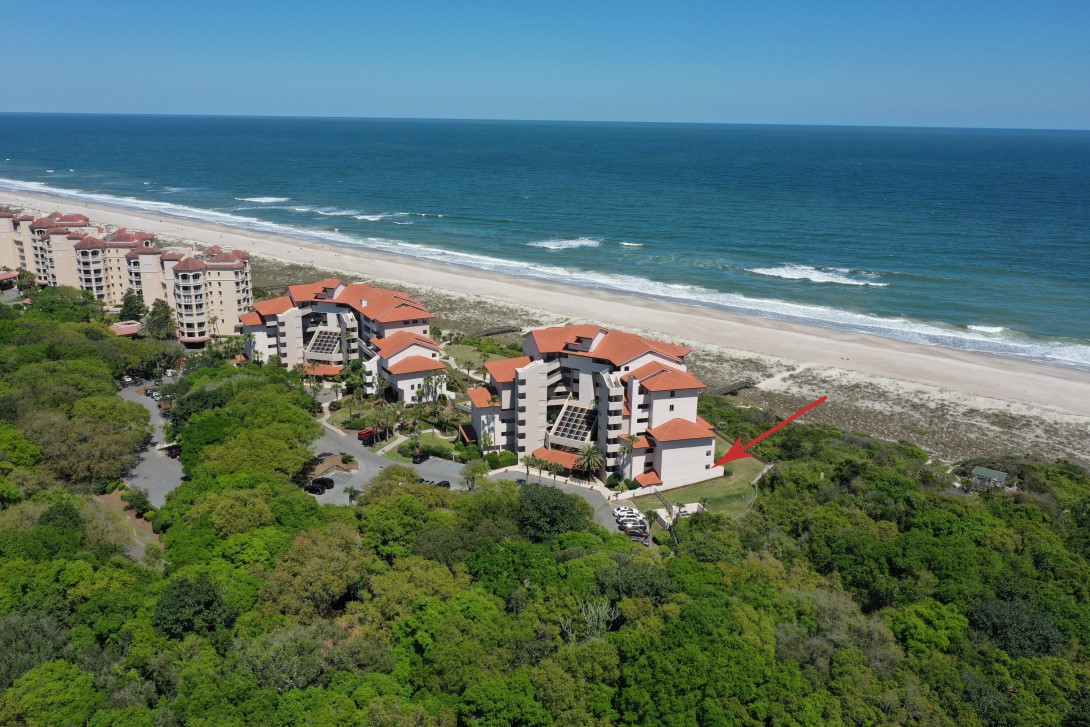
590, 458
353, 493
554, 467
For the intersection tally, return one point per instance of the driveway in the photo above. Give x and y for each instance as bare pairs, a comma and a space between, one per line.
603, 510
154, 471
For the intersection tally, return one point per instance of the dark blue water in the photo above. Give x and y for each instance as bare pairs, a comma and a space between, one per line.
967, 238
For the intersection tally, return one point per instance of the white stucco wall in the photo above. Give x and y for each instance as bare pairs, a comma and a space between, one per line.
687, 461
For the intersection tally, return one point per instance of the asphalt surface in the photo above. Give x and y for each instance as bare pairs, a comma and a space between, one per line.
159, 474
155, 471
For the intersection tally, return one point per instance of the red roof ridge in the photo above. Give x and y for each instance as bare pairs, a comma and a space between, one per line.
416, 365
503, 370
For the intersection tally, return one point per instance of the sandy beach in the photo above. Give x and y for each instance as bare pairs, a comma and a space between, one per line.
858, 371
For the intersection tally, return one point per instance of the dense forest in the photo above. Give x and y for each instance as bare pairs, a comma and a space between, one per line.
863, 588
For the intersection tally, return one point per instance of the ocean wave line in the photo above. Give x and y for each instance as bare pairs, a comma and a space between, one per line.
841, 276
1008, 343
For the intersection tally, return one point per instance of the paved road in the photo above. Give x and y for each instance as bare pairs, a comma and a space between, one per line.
155, 471
603, 510
159, 474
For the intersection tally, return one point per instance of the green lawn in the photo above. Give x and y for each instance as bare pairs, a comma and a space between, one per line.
425, 438
469, 356
727, 495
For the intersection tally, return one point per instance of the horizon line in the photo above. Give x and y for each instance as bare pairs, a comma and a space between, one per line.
537, 121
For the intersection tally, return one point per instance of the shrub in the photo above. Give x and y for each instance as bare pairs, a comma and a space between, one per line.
508, 459
613, 482
632, 484
334, 405
356, 422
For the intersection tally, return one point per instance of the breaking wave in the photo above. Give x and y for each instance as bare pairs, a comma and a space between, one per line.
841, 276
566, 244
263, 200
1066, 352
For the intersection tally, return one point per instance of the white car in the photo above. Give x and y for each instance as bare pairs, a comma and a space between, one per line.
126, 380
631, 521
169, 372
622, 511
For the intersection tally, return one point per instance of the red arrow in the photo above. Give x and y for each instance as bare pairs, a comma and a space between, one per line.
738, 450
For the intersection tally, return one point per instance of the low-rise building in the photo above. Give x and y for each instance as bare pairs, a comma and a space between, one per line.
330, 323
576, 385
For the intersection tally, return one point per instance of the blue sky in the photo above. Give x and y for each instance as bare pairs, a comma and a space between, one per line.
885, 62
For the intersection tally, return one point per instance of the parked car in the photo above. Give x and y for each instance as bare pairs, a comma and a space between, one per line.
641, 539
621, 511
631, 530
443, 483
369, 436
314, 489
174, 451
126, 380
326, 482
152, 392
630, 519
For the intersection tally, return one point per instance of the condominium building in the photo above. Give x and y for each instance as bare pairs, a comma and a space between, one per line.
207, 291
325, 325
630, 396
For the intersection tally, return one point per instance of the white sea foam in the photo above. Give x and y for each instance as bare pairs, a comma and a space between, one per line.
1007, 343
631, 244
987, 329
566, 244
384, 216
841, 276
50, 171
263, 200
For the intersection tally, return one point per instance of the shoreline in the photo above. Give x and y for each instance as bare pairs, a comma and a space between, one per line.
1036, 384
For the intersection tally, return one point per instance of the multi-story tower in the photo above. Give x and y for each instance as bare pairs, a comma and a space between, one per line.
207, 292
326, 325
629, 396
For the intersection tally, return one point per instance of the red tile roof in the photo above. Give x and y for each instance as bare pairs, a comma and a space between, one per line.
145, 250
401, 340
503, 370
89, 243
24, 218
378, 304
253, 318
172, 256
8, 276
6, 215
641, 443
615, 346
481, 397
416, 365
677, 430
566, 460
660, 377
74, 219
647, 479
58, 231
323, 369
42, 223
273, 306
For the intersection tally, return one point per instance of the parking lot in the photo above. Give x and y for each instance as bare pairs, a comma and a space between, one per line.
159, 474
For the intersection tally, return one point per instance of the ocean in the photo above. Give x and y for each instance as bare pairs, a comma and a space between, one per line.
972, 239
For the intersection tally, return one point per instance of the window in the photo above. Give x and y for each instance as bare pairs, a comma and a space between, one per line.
671, 407
708, 453
673, 394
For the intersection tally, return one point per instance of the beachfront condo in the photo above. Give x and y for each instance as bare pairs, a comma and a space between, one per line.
328, 324
576, 385
207, 291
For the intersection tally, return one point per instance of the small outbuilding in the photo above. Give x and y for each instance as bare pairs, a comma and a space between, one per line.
984, 479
